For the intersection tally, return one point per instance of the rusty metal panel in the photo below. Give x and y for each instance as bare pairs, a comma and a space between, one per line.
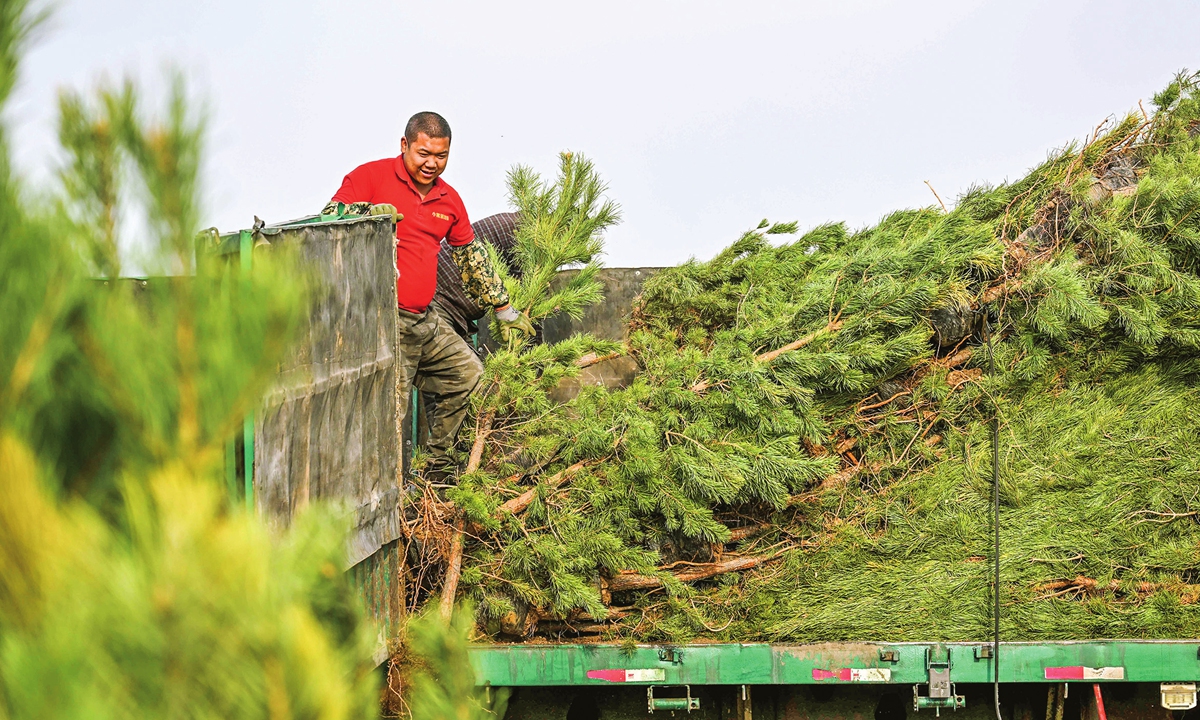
380, 581
327, 427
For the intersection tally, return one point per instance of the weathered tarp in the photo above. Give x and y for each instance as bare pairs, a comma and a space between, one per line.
608, 319
328, 427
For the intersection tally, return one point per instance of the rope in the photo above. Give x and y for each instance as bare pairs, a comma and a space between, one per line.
987, 335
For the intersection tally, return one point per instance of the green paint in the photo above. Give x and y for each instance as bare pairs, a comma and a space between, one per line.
248, 455
246, 255
765, 664
674, 704
231, 243
246, 250
313, 219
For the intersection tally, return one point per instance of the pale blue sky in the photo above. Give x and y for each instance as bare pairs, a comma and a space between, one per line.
703, 116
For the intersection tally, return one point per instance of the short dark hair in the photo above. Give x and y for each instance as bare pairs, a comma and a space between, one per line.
430, 123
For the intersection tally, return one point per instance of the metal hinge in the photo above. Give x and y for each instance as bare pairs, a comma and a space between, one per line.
686, 703
941, 689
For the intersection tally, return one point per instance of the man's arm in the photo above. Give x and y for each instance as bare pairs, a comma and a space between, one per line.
334, 207
480, 280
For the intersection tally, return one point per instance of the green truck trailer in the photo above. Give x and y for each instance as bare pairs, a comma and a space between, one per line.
327, 431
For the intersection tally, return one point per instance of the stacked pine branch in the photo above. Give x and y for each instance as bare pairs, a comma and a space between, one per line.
807, 452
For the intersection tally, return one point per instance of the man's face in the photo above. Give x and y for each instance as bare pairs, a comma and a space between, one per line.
425, 159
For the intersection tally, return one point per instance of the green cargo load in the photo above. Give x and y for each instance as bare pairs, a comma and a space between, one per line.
804, 448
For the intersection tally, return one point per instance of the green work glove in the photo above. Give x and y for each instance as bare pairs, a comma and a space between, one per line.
386, 209
514, 326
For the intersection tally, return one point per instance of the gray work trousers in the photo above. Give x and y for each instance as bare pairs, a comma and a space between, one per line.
442, 366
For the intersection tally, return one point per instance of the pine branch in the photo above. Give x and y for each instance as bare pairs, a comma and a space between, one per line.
841, 477
996, 292
629, 580
453, 570
832, 327
745, 532
522, 501
876, 406
454, 560
592, 358
481, 433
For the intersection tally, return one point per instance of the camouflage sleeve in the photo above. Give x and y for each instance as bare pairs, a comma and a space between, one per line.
479, 278
340, 208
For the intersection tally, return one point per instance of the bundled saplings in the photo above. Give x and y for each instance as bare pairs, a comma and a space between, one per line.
806, 454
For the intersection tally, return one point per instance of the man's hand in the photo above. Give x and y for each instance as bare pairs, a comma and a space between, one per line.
386, 209
514, 326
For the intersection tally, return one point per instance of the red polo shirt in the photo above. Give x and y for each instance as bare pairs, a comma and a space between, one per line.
419, 235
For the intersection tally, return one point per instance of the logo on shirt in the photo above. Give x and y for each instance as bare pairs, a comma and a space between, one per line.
440, 216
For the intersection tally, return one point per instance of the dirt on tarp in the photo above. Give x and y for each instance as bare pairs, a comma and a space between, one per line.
327, 429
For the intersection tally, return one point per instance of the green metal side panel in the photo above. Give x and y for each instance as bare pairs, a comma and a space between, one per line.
246, 256
832, 663
380, 582
378, 574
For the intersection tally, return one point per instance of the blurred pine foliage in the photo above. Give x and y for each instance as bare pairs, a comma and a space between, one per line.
130, 585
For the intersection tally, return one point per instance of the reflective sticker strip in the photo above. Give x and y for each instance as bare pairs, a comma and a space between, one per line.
854, 674
1078, 672
636, 675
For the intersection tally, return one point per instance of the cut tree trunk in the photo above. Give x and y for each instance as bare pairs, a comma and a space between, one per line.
454, 561
636, 581
745, 532
593, 359
522, 501
833, 326
453, 571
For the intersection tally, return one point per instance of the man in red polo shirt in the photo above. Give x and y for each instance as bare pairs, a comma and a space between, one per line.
428, 210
